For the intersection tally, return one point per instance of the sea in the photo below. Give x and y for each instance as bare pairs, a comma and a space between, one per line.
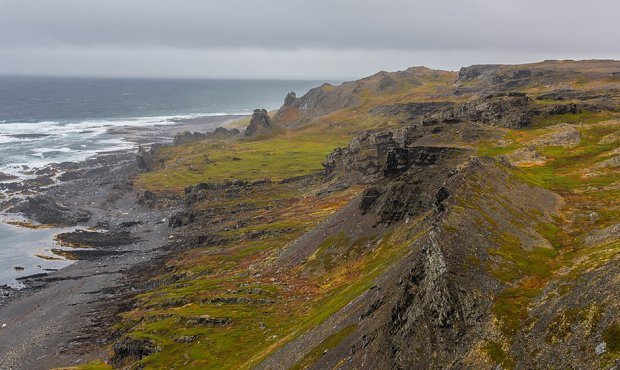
46, 120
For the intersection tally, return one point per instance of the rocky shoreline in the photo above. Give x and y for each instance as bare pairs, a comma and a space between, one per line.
121, 240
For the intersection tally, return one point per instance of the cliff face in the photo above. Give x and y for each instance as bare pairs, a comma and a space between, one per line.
457, 221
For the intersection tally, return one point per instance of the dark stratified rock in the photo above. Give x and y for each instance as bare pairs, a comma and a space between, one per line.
410, 111
375, 155
479, 71
187, 137
47, 210
6, 177
290, 99
511, 110
223, 133
96, 239
260, 124
132, 348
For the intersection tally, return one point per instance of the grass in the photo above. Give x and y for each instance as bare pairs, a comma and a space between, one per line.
275, 159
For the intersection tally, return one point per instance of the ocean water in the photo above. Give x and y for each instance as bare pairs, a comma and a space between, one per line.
52, 120
46, 120
26, 252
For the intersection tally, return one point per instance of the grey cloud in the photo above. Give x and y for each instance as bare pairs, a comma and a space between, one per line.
292, 29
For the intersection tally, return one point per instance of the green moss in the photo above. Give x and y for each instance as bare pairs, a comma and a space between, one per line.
550, 232
495, 351
585, 117
611, 335
534, 262
511, 307
330, 343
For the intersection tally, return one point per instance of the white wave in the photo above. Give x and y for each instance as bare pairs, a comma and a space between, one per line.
88, 138
6, 139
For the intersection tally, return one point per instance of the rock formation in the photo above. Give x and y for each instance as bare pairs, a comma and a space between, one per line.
260, 124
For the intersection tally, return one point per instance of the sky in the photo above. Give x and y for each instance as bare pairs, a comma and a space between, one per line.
292, 39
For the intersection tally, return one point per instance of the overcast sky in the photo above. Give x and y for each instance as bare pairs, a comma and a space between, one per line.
329, 39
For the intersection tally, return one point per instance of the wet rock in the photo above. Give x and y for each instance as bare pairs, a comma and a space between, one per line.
6, 177
96, 239
47, 210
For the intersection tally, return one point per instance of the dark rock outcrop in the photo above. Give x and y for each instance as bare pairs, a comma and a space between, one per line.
6, 177
145, 160
187, 137
411, 111
95, 239
478, 71
512, 110
130, 348
260, 124
47, 210
320, 100
223, 133
375, 155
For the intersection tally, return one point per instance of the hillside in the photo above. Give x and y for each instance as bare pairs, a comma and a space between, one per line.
415, 219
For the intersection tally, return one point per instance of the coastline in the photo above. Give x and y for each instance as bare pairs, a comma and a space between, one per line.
60, 315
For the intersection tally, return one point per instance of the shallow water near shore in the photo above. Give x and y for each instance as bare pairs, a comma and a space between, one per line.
25, 252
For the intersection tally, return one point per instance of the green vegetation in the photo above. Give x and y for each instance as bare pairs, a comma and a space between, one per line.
331, 342
611, 335
583, 117
276, 159
495, 351
574, 173
230, 306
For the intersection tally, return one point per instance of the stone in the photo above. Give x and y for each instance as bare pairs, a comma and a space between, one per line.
47, 210
260, 124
